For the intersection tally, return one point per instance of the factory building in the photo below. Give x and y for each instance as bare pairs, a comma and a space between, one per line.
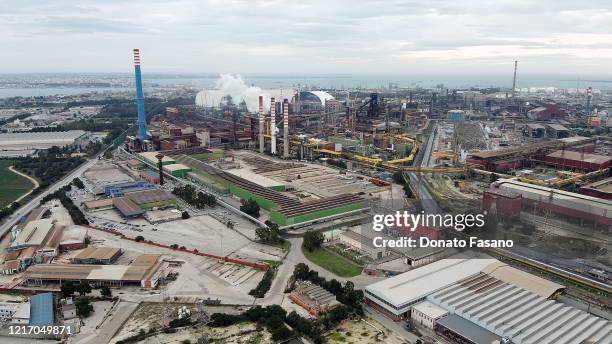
73, 238
97, 255
504, 203
151, 157
150, 176
546, 113
118, 190
144, 271
519, 313
600, 189
42, 310
284, 210
557, 131
177, 170
427, 314
456, 116
26, 143
395, 296
562, 203
362, 244
578, 160
313, 298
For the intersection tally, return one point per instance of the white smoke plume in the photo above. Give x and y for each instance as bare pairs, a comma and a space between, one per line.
235, 87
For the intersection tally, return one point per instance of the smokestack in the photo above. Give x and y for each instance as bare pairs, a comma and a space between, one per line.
160, 166
514, 80
286, 128
273, 125
142, 122
261, 124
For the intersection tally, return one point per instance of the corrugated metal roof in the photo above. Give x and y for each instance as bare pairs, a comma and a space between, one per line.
521, 315
416, 284
41, 309
468, 330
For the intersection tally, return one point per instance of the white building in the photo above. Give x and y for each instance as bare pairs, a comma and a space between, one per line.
427, 313
395, 296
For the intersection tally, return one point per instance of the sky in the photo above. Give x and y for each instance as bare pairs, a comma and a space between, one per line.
455, 37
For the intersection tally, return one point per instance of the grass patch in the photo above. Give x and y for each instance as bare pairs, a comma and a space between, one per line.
13, 185
333, 263
272, 263
214, 155
336, 337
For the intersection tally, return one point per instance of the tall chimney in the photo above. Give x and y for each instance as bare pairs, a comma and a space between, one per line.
261, 124
286, 128
160, 167
514, 80
142, 122
273, 125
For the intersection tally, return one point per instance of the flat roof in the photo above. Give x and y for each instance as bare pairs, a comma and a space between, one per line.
579, 156
176, 167
151, 156
28, 138
98, 253
99, 203
74, 233
254, 177
431, 310
420, 282
468, 329
41, 309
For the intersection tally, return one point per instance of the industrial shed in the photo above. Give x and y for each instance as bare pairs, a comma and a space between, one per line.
177, 170
395, 296
152, 158
149, 199
143, 271
97, 255
578, 160
600, 189
519, 314
563, 203
42, 310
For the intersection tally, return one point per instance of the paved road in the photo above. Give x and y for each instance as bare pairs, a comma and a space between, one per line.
34, 202
429, 204
295, 256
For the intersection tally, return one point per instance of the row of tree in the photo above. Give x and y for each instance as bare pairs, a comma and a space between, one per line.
75, 213
194, 197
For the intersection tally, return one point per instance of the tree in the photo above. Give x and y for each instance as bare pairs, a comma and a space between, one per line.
185, 215
78, 183
67, 289
139, 238
250, 207
83, 307
313, 240
106, 291
83, 288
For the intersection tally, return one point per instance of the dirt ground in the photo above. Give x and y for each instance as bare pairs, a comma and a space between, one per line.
363, 332
151, 315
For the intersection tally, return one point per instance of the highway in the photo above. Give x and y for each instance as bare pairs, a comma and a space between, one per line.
34, 202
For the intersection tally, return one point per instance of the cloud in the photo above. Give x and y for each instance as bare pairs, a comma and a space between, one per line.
289, 36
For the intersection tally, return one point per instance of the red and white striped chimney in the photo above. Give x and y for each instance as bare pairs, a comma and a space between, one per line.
273, 125
261, 124
286, 128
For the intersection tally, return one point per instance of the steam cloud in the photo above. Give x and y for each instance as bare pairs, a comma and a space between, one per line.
234, 86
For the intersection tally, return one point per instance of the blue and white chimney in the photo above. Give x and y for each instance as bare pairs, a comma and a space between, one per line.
142, 121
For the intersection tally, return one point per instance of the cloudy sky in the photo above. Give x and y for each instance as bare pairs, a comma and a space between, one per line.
308, 37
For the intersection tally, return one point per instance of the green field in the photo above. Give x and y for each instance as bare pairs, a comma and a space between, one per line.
331, 262
13, 185
214, 155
